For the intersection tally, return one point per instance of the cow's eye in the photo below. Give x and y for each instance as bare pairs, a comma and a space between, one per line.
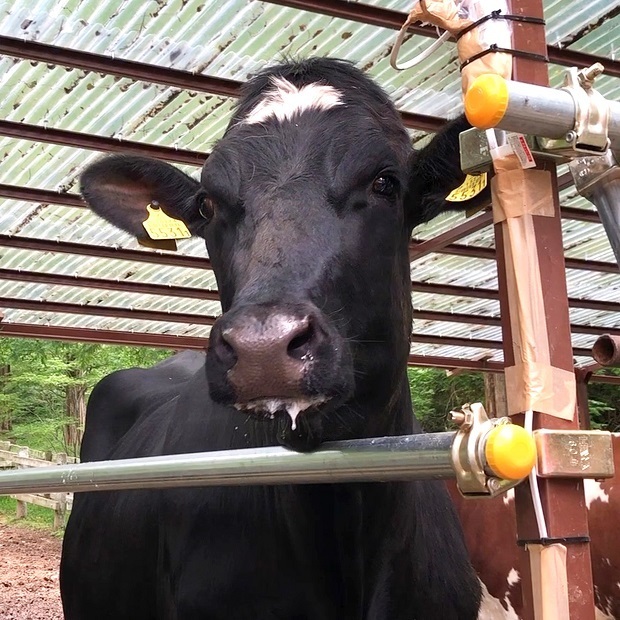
206, 208
384, 185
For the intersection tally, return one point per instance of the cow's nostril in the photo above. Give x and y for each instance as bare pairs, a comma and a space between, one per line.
300, 346
224, 348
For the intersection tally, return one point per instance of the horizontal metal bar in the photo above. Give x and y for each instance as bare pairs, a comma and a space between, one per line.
185, 80
49, 135
100, 251
387, 18
451, 363
141, 288
549, 112
127, 286
47, 196
495, 321
121, 313
44, 196
488, 293
76, 59
489, 254
468, 227
477, 343
167, 341
102, 336
410, 457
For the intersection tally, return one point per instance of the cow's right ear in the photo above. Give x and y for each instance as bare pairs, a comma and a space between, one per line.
434, 172
120, 187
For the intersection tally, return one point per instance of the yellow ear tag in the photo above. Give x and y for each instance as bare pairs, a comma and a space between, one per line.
471, 187
158, 225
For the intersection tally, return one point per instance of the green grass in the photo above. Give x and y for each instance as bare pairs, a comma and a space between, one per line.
37, 517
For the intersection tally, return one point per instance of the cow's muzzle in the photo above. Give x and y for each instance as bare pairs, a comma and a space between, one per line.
266, 359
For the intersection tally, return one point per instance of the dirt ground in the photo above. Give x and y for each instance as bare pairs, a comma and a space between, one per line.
29, 574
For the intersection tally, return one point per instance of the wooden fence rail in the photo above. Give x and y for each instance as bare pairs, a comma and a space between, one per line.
13, 456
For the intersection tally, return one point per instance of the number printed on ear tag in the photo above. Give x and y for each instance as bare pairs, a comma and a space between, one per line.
158, 225
471, 187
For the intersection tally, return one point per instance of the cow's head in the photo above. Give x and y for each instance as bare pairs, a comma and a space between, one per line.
307, 204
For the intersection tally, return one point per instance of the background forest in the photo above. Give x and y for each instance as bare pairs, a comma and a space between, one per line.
44, 386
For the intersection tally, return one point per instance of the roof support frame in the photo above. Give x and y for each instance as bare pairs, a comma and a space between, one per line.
77, 139
144, 288
167, 341
139, 71
387, 18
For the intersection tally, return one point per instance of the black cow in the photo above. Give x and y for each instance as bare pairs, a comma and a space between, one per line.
307, 205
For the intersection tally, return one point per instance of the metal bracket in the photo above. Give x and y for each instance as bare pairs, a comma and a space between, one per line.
472, 478
476, 153
574, 454
590, 132
589, 172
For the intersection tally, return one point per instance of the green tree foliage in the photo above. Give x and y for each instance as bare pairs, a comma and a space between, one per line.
604, 401
46, 381
434, 394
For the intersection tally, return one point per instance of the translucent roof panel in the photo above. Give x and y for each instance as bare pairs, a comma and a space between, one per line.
56, 258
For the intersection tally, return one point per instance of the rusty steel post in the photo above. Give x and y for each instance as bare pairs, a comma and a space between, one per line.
562, 499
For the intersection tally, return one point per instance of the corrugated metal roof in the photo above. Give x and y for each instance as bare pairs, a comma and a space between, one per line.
231, 40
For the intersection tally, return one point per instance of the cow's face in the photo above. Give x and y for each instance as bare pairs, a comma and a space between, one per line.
306, 206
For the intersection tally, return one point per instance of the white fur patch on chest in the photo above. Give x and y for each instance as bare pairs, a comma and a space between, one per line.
285, 100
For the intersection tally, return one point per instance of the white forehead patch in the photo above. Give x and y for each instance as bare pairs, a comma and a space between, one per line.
285, 100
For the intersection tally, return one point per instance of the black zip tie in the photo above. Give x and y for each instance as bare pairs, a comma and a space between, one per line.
566, 540
493, 49
497, 14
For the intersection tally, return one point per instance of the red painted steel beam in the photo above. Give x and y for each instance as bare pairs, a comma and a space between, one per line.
488, 293
176, 260
387, 18
36, 133
185, 80
99, 251
108, 311
562, 500
489, 254
98, 63
101, 336
127, 286
495, 321
45, 196
476, 343
167, 341
468, 227
450, 363
144, 288
472, 225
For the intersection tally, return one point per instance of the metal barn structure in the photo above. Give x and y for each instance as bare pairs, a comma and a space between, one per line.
81, 78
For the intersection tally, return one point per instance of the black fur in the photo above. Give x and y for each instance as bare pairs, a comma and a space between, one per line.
297, 217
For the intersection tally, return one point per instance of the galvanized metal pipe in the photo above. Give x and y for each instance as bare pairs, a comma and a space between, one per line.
598, 180
606, 198
409, 457
543, 111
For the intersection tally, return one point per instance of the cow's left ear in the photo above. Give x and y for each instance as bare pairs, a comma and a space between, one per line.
434, 172
120, 187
